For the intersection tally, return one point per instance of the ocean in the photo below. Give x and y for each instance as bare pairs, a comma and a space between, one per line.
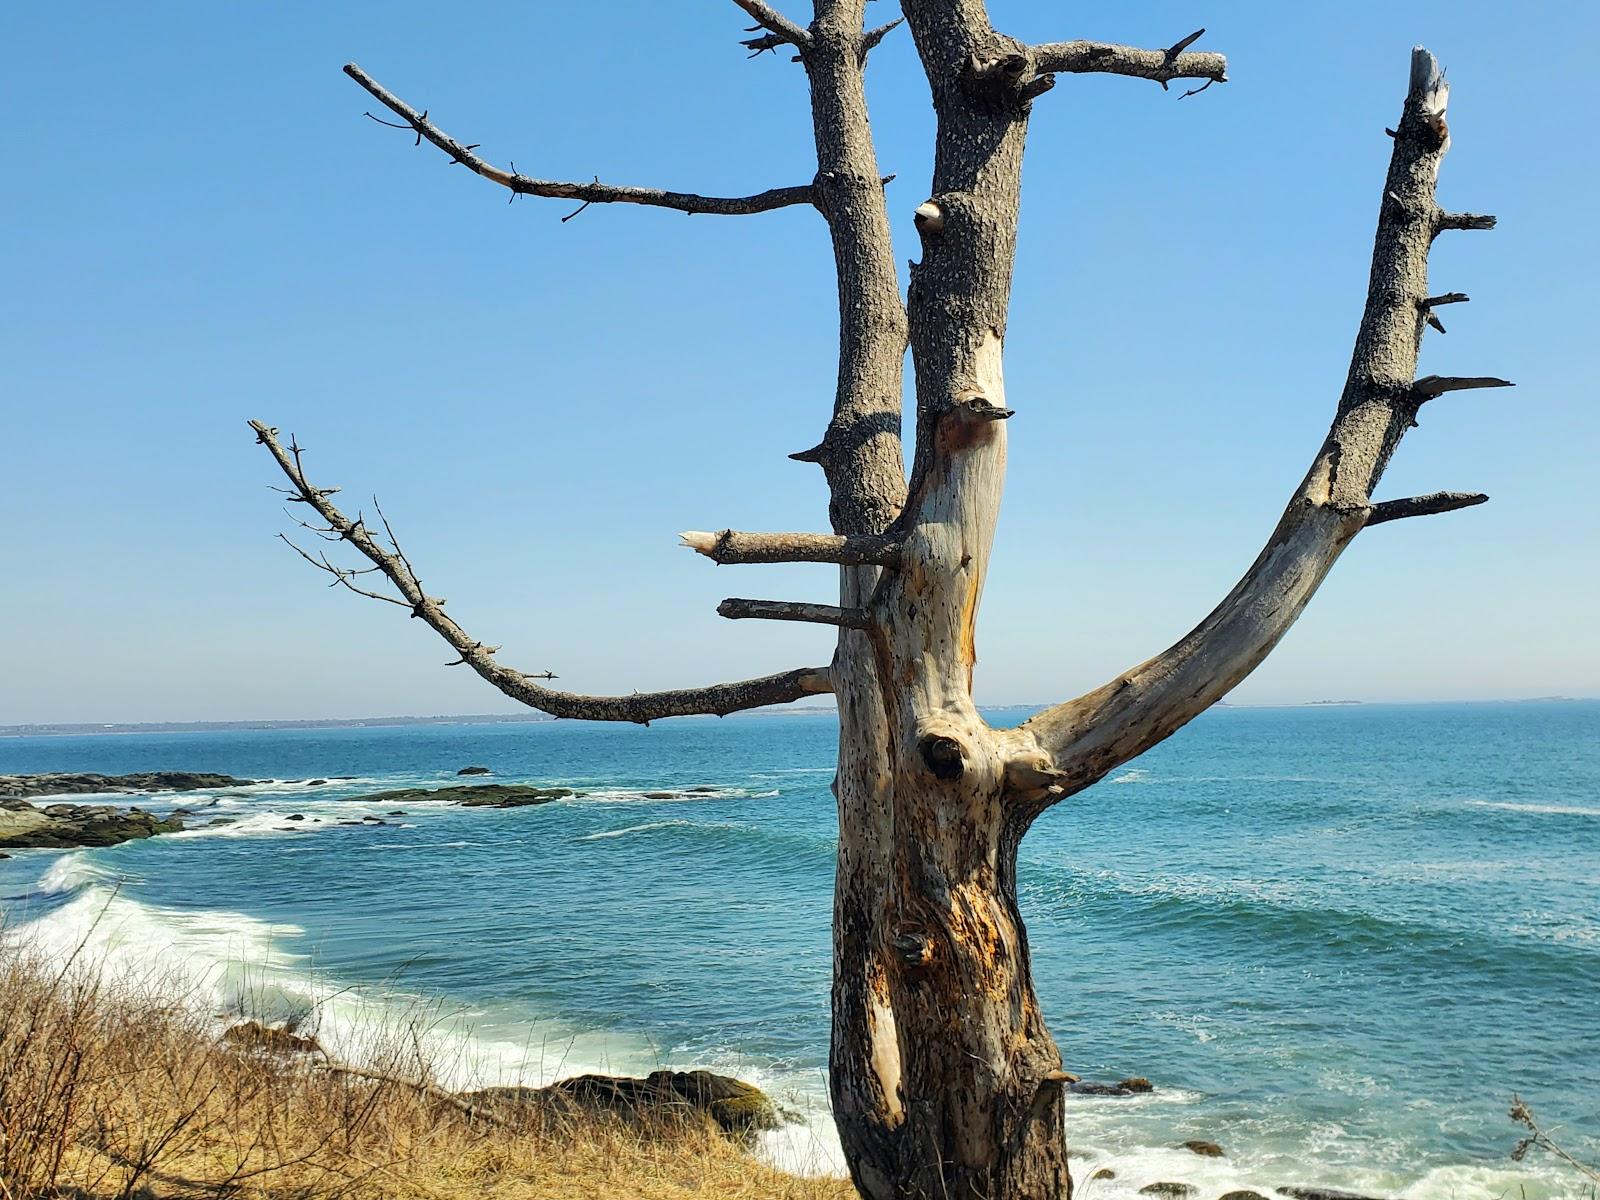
1336, 938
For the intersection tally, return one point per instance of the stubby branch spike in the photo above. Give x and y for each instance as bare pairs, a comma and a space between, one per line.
729, 547
1423, 506
736, 609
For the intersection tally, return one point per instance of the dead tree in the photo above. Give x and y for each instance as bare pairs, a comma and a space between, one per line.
945, 1081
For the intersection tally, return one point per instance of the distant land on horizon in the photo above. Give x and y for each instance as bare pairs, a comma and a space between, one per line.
81, 728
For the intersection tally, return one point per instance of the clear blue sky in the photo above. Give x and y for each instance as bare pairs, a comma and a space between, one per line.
200, 227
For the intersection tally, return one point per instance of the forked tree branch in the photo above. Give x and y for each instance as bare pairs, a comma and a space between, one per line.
1175, 62
640, 707
587, 193
776, 24
1097, 732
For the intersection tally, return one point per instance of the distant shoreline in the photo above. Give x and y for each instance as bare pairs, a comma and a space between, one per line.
86, 728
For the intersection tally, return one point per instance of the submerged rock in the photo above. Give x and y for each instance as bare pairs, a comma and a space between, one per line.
737, 1108
660, 795
1203, 1149
1138, 1085
76, 783
474, 771
1322, 1193
1168, 1188
477, 795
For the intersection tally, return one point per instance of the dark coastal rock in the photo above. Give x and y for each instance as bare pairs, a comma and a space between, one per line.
1322, 1193
1103, 1173
1203, 1149
1138, 1085
737, 1108
76, 784
295, 817
220, 821
1168, 1188
315, 782
660, 795
253, 1035
65, 826
479, 795
398, 812
3, 854
474, 771
1241, 1194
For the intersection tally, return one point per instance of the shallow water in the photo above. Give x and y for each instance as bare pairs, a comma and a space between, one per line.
1337, 938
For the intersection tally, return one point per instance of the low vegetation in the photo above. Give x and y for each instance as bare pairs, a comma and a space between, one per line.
116, 1090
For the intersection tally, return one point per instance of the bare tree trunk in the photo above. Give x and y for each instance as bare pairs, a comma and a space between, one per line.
945, 1081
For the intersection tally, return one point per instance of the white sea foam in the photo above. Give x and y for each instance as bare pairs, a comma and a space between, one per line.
230, 966
648, 827
1568, 810
71, 872
1136, 775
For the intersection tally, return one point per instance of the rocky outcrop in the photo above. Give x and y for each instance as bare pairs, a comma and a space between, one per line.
1203, 1149
1241, 1194
66, 826
474, 771
1321, 1193
253, 1035
26, 786
735, 1107
478, 795
1168, 1189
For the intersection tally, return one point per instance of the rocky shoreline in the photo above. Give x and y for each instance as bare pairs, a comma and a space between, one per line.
27, 787
27, 825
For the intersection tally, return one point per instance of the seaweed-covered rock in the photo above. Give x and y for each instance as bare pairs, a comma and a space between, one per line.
477, 795
76, 784
66, 826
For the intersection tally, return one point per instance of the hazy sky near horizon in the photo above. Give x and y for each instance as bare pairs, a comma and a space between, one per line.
200, 227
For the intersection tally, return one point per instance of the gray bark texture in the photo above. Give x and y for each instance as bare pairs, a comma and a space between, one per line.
945, 1081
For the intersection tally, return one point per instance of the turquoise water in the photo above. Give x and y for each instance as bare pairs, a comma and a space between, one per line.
1337, 938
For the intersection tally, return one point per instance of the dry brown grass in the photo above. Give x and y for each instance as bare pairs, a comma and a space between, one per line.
123, 1092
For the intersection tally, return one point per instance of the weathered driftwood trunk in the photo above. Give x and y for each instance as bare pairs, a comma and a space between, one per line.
945, 1080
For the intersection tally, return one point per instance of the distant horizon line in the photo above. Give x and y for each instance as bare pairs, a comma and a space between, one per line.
76, 728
